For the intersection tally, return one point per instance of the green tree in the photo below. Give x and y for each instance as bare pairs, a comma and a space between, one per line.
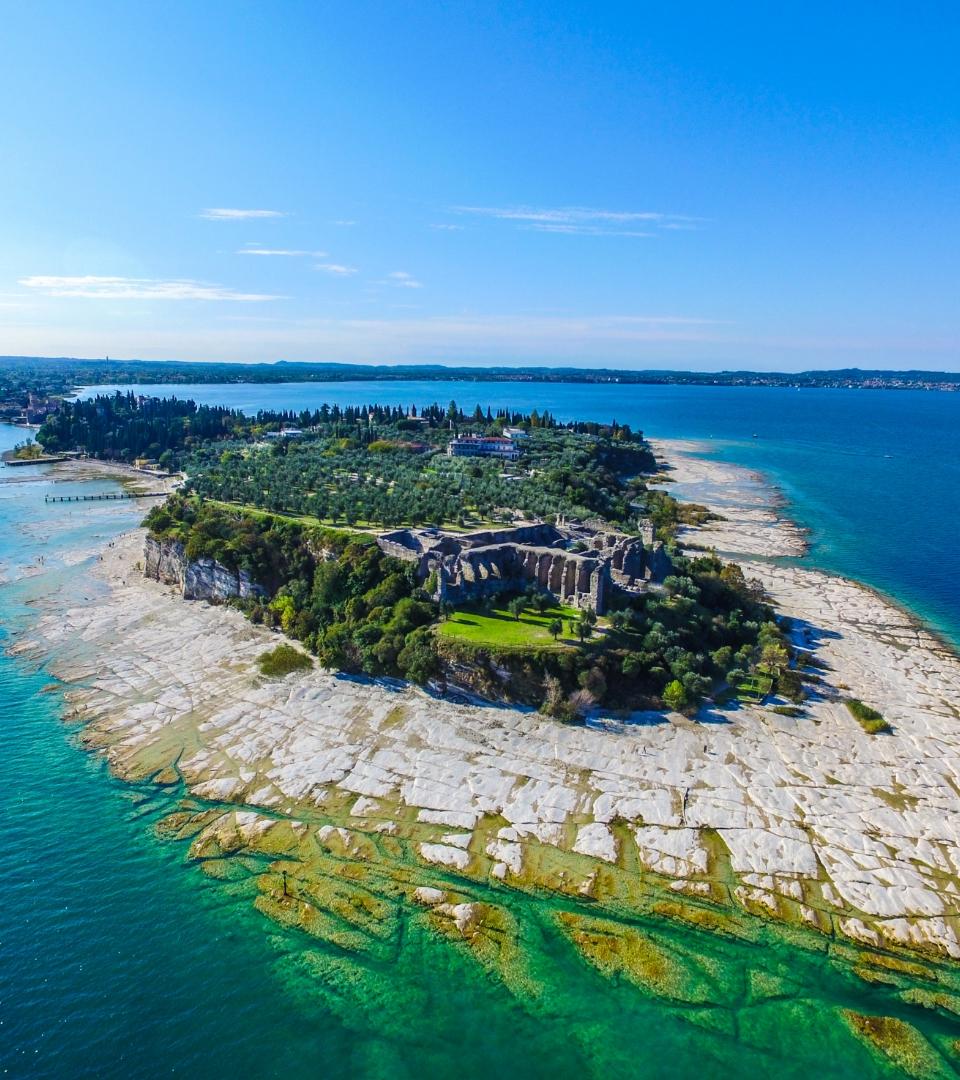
790, 685
516, 607
555, 626
633, 665
619, 620
675, 696
418, 658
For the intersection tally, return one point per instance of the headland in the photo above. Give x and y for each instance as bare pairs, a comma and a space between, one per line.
814, 819
739, 817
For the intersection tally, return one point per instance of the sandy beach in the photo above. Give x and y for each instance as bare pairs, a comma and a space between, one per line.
92, 469
807, 819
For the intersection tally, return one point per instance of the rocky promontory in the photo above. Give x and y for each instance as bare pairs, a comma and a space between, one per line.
166, 561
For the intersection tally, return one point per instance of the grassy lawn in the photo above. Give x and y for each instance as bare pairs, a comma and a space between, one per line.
303, 519
496, 626
754, 688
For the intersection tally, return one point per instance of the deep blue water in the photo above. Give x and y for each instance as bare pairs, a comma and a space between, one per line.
874, 475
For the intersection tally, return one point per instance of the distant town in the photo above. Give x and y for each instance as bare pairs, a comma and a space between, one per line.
30, 385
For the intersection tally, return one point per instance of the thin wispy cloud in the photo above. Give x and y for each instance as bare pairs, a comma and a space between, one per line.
291, 253
581, 220
584, 230
561, 214
403, 280
344, 223
90, 287
445, 227
336, 269
223, 213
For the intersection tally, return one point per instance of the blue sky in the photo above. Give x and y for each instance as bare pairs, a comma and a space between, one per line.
694, 185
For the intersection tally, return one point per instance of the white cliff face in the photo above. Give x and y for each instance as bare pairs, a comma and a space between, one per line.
197, 579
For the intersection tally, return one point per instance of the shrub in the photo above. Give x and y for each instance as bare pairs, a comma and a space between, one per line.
554, 702
283, 660
787, 710
869, 719
581, 702
593, 680
790, 685
418, 658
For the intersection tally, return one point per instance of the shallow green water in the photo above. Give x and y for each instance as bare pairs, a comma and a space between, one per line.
118, 958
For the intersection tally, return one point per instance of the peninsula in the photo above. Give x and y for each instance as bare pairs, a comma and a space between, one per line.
509, 555
627, 706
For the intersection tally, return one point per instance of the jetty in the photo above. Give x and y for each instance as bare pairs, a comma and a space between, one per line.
44, 459
108, 495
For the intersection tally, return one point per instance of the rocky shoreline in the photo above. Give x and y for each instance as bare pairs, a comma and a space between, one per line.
738, 813
748, 521
74, 469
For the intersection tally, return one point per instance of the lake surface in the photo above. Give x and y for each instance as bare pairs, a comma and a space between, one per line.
874, 475
118, 958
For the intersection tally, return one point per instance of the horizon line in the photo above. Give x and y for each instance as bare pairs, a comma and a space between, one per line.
480, 366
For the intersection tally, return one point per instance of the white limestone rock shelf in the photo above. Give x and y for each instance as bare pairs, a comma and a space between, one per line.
810, 810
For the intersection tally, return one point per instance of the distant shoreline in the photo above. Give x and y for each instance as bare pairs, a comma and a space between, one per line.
60, 376
946, 382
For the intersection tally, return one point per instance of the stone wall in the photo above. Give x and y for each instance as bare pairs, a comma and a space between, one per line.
575, 579
197, 579
537, 534
471, 566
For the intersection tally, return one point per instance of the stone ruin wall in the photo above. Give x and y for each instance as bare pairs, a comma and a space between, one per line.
390, 546
475, 565
577, 580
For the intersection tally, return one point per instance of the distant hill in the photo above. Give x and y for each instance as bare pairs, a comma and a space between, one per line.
54, 375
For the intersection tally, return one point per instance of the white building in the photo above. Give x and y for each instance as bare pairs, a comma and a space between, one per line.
494, 446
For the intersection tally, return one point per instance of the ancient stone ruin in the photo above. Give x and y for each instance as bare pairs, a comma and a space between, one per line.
579, 564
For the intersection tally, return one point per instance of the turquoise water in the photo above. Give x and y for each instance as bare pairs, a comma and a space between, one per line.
115, 959
874, 475
118, 958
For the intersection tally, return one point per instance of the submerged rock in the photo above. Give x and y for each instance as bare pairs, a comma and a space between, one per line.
898, 1043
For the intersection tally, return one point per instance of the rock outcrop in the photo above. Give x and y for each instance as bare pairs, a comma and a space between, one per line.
197, 579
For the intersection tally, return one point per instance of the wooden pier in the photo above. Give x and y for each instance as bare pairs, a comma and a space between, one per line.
106, 496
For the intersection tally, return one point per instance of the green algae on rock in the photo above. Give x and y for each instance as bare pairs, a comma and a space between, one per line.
900, 1044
